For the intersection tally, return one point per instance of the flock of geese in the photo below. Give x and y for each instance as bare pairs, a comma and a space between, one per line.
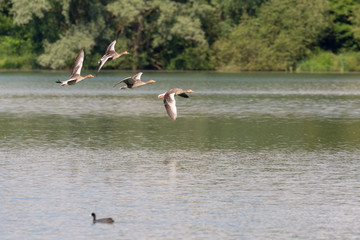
130, 82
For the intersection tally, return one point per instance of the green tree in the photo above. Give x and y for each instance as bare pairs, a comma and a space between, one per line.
24, 10
158, 33
342, 34
60, 28
82, 24
284, 32
16, 48
232, 10
158, 30
355, 19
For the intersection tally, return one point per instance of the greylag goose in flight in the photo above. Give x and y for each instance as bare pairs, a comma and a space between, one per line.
170, 102
134, 81
76, 71
110, 54
102, 220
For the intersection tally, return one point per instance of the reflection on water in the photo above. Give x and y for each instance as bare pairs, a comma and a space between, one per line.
269, 156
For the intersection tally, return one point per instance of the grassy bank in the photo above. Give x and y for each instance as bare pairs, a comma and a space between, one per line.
330, 62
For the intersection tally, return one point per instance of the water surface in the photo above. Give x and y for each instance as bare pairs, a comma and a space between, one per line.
251, 156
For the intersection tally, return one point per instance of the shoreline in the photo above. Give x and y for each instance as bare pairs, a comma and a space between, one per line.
178, 71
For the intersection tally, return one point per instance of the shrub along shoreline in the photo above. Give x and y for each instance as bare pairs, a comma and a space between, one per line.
330, 62
321, 62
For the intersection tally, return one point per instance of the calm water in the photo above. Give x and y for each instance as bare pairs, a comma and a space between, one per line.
251, 156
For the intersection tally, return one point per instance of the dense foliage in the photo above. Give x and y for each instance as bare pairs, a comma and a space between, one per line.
228, 35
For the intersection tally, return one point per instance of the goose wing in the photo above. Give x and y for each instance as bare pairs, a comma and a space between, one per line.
78, 64
111, 47
110, 50
184, 95
129, 81
70, 81
137, 77
170, 105
102, 61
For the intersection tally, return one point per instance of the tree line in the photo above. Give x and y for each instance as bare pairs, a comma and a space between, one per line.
224, 35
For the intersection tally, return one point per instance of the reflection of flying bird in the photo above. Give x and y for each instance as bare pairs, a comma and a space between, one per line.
102, 220
110, 54
169, 100
76, 71
134, 81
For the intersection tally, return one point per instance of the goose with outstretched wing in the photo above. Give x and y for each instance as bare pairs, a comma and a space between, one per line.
133, 81
170, 102
75, 76
110, 54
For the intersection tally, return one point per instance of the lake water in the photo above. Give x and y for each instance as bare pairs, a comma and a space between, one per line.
251, 156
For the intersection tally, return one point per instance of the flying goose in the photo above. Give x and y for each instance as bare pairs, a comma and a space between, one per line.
76, 71
170, 102
110, 54
133, 82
